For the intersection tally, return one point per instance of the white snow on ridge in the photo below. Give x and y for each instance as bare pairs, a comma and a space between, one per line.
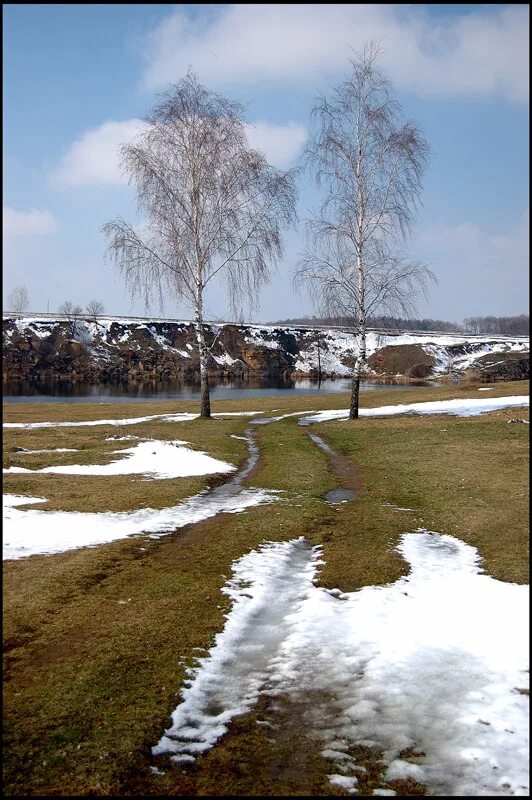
155, 459
35, 532
224, 359
335, 346
412, 664
460, 407
331, 348
256, 336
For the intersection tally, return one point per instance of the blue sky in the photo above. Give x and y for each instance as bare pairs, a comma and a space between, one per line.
77, 78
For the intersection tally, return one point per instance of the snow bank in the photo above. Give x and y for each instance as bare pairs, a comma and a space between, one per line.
335, 348
436, 661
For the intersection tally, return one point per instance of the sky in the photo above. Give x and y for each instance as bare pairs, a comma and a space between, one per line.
79, 78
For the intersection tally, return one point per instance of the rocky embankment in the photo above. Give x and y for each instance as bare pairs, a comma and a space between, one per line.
44, 349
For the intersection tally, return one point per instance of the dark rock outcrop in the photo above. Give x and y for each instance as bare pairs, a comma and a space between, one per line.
41, 349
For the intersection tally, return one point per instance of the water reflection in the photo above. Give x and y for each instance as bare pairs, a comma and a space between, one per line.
28, 392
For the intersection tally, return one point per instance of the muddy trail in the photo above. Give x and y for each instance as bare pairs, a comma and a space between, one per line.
226, 687
343, 468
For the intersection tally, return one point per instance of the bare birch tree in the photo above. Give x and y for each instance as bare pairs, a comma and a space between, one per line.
370, 163
211, 206
95, 309
18, 299
72, 313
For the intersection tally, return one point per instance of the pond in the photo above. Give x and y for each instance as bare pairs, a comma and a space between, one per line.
27, 392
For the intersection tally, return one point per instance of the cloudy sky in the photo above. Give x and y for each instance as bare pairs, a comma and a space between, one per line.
78, 78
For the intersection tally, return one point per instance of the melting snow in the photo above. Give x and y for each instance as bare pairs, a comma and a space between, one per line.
156, 459
23, 452
461, 407
34, 532
437, 661
182, 417
337, 347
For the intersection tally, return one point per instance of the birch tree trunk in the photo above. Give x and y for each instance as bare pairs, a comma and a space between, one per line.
361, 357
205, 411
359, 245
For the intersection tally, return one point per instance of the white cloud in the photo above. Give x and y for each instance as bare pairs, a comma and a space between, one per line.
27, 223
279, 143
94, 158
484, 52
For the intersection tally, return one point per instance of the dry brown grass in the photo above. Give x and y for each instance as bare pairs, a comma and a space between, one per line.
90, 681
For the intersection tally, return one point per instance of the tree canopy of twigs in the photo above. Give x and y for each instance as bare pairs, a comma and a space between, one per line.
370, 163
211, 206
18, 299
72, 313
95, 309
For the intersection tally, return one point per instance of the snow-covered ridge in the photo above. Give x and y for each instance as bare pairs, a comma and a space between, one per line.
116, 346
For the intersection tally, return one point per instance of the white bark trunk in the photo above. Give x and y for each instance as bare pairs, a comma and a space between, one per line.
203, 355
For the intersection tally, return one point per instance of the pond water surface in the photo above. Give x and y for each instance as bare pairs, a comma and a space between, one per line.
26, 392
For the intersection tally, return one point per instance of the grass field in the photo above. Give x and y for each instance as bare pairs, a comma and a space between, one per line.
97, 640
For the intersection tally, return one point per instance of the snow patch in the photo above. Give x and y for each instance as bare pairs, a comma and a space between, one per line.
155, 458
436, 662
462, 407
182, 417
34, 532
24, 452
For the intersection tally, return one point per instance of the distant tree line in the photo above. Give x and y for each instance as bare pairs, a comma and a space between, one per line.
508, 326
505, 326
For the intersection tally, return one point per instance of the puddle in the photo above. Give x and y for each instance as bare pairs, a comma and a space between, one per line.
340, 496
343, 468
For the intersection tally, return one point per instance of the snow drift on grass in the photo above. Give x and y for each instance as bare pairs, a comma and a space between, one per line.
183, 417
436, 661
156, 459
35, 532
462, 408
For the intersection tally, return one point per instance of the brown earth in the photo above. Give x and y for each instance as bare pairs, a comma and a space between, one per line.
402, 359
